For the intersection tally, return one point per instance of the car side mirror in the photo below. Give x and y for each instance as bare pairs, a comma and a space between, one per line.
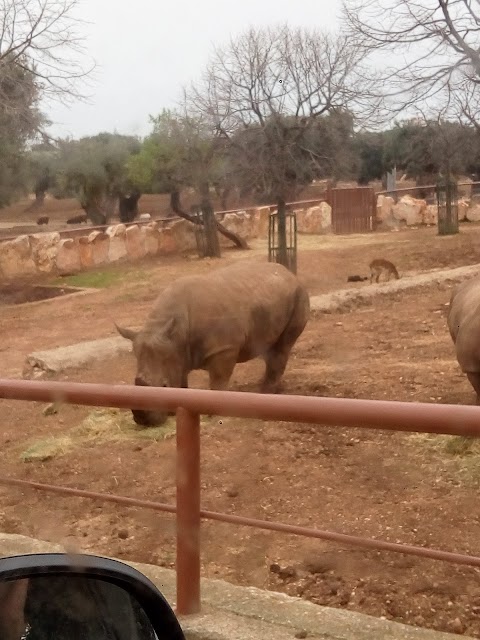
80, 597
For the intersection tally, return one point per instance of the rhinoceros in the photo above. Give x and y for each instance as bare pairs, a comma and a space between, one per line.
214, 321
464, 326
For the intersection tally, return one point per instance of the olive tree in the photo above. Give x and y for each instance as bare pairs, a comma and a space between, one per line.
182, 152
94, 169
41, 58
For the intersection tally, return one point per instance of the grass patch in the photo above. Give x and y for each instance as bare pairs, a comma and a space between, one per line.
462, 445
99, 427
102, 278
462, 453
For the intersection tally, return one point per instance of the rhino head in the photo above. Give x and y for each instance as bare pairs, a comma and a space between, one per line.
159, 364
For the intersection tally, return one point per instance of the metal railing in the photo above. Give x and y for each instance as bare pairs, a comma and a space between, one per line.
189, 404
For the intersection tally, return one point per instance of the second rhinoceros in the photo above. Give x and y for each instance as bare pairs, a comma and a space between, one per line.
464, 327
214, 321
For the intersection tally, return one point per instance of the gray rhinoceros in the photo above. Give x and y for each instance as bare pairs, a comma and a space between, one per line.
213, 321
464, 326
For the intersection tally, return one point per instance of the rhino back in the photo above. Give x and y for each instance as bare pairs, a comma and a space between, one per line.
464, 324
243, 307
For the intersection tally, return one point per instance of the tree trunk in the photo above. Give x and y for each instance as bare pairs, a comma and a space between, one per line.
41, 188
109, 208
212, 248
175, 203
224, 197
282, 254
128, 207
94, 213
37, 203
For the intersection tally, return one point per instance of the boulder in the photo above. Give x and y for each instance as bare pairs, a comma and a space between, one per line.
430, 215
85, 252
315, 220
99, 242
166, 241
183, 235
16, 258
463, 205
145, 217
241, 223
409, 210
44, 250
261, 217
384, 209
135, 242
152, 237
68, 257
117, 248
473, 213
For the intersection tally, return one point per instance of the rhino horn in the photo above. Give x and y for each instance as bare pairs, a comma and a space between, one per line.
129, 334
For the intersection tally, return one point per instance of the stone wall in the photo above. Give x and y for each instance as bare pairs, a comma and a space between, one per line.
409, 211
49, 253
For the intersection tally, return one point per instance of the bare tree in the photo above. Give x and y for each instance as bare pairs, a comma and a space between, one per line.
263, 92
42, 38
434, 51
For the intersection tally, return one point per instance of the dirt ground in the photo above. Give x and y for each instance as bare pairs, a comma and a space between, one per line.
399, 487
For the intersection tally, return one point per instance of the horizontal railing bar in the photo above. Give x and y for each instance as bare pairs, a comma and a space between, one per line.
371, 414
332, 536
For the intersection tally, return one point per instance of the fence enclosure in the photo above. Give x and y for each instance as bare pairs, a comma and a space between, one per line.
189, 404
353, 209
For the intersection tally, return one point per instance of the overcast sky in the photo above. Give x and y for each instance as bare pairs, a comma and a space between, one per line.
147, 49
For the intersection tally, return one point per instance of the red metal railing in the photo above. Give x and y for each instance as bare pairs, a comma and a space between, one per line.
190, 403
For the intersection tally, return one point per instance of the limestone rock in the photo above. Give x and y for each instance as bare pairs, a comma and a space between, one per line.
409, 210
152, 237
241, 223
135, 242
68, 257
473, 214
262, 218
99, 242
16, 258
183, 235
85, 252
430, 215
117, 248
166, 241
463, 205
315, 220
384, 208
44, 250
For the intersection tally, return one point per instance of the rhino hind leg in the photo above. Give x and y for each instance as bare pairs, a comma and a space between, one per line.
276, 362
276, 358
474, 379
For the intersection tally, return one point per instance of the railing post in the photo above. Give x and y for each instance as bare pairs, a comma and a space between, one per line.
188, 512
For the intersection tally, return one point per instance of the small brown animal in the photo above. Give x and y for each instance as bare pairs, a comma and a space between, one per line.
43, 220
77, 219
356, 278
379, 266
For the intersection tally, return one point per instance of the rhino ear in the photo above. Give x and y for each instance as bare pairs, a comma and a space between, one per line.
168, 328
129, 334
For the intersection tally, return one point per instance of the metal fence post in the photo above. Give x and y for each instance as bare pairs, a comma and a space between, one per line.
188, 512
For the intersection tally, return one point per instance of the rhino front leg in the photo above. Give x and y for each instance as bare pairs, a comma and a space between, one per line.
220, 370
474, 379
